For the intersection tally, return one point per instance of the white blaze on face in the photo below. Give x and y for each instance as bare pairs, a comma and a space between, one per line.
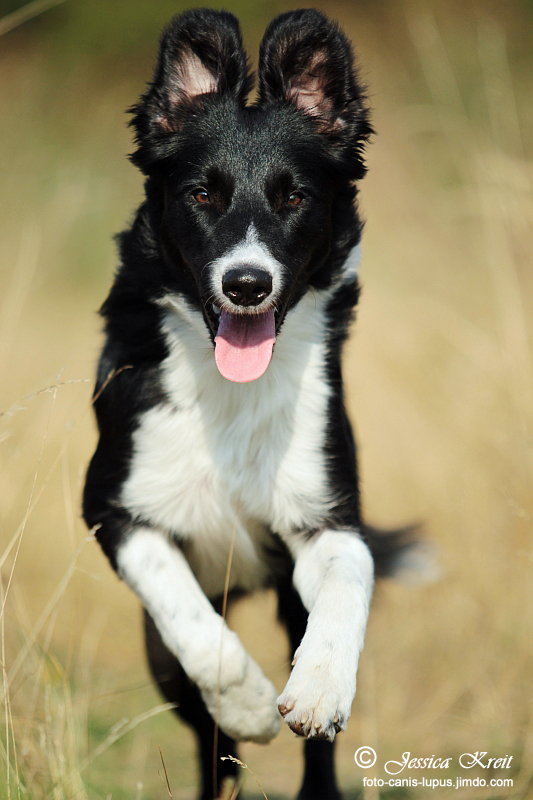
245, 340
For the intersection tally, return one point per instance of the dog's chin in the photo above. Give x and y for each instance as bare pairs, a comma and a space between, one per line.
244, 341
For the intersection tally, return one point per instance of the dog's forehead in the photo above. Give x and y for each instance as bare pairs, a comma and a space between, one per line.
256, 144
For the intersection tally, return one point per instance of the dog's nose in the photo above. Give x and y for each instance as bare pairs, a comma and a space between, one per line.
247, 286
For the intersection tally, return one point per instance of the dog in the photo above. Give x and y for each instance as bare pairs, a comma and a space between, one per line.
226, 462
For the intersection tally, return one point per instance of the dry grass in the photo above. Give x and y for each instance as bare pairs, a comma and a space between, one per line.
440, 385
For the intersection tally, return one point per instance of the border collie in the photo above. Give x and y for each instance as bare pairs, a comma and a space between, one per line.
225, 458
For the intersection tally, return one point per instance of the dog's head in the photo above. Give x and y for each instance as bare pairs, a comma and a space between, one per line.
254, 203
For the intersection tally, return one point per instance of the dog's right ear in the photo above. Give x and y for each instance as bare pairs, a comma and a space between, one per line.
305, 61
201, 53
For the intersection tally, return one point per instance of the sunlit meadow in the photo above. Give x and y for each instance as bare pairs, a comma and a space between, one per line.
440, 388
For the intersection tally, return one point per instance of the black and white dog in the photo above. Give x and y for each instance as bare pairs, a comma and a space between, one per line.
223, 433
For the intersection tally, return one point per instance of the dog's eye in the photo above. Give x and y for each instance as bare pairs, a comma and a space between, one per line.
295, 199
200, 195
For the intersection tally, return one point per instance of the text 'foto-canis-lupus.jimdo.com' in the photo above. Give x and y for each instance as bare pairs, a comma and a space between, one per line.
223, 432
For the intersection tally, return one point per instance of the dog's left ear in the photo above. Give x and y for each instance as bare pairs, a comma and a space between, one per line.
201, 54
307, 61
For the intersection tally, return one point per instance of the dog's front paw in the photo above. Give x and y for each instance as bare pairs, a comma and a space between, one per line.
317, 700
315, 716
247, 710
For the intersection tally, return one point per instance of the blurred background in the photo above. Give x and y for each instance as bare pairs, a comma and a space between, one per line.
440, 387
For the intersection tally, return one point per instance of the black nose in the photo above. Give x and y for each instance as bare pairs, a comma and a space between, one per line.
247, 286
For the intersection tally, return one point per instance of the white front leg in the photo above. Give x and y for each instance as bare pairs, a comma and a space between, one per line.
334, 576
233, 687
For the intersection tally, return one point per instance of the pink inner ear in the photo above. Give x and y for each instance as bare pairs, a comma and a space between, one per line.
193, 77
189, 79
308, 95
307, 89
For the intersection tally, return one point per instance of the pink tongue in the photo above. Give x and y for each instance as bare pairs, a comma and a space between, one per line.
243, 345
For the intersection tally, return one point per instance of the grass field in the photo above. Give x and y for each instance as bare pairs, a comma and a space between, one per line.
440, 384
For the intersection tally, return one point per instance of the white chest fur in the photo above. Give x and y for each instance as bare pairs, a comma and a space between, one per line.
223, 460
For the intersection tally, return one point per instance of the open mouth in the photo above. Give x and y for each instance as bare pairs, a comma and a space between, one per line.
243, 342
